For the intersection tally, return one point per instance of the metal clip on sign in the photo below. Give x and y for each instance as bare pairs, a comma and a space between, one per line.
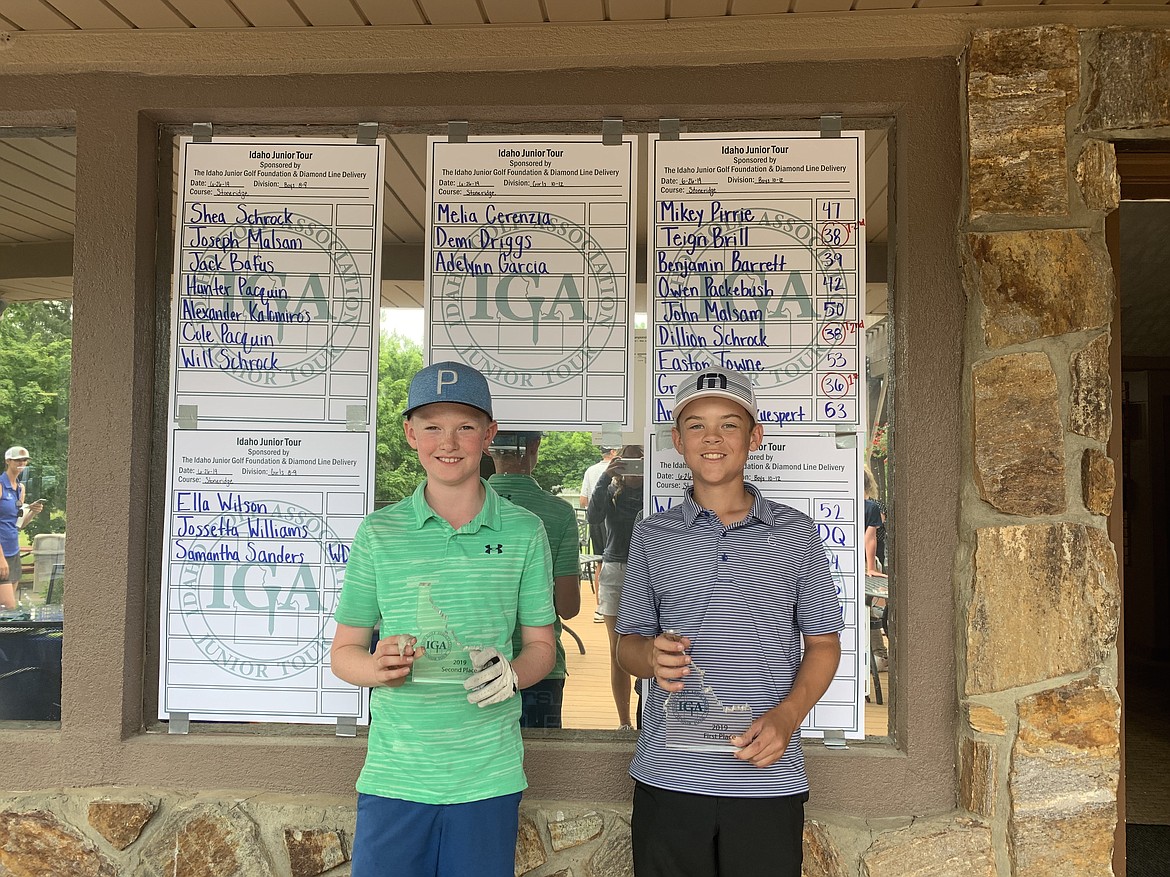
201, 132
355, 418
188, 416
831, 125
611, 132
835, 739
457, 132
367, 133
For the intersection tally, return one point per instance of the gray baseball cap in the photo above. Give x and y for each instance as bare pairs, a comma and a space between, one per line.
715, 381
449, 382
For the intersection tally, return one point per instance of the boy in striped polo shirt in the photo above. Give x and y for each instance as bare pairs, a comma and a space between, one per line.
439, 794
745, 581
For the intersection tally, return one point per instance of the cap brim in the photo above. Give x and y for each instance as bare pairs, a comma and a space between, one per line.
720, 394
410, 411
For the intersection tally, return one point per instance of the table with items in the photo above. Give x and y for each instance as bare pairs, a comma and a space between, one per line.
30, 664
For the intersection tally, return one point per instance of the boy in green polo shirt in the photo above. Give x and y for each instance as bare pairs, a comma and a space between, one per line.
440, 790
515, 455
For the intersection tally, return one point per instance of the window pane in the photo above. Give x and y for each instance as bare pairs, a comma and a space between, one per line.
35, 342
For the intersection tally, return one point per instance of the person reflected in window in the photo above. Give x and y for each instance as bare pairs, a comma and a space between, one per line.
14, 515
596, 531
874, 541
515, 455
617, 503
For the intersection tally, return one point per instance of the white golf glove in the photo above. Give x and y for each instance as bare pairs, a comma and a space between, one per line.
495, 680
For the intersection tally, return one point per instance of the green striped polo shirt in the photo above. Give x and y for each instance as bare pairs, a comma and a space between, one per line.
427, 743
560, 524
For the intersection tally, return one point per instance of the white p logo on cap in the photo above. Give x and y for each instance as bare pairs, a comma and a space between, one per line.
445, 376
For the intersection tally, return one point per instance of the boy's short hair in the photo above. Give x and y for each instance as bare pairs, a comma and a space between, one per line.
449, 382
724, 383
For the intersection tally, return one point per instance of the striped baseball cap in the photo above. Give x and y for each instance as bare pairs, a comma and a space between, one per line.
715, 381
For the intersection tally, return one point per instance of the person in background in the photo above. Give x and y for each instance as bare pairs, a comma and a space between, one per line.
739, 583
596, 531
14, 515
515, 455
618, 508
439, 793
874, 541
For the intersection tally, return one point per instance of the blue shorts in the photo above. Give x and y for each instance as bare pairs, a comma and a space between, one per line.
395, 838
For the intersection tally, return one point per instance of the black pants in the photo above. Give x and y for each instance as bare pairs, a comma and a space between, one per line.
542, 704
681, 835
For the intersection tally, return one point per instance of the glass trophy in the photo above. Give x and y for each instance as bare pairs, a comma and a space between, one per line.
697, 721
446, 659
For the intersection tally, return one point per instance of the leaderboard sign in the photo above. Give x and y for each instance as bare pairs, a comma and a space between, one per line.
528, 277
757, 263
273, 382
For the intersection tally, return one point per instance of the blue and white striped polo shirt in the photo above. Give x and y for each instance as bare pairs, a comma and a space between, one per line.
744, 595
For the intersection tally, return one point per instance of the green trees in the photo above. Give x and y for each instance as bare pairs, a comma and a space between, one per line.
396, 468
564, 457
35, 357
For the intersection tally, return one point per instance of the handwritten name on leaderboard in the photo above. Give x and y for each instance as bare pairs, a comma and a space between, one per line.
225, 553
207, 214
224, 527
681, 211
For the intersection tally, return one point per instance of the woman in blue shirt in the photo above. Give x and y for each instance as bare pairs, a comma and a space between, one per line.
13, 516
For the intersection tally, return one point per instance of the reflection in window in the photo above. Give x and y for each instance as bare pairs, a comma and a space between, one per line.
35, 354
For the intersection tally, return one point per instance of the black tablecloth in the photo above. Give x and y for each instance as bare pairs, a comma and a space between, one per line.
30, 671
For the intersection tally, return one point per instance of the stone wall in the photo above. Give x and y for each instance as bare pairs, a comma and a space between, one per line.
117, 832
1039, 752
136, 833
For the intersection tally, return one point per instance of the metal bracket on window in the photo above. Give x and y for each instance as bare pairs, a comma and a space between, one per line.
611, 132
846, 440
188, 416
355, 418
201, 132
457, 132
367, 133
346, 726
180, 723
662, 438
831, 125
835, 739
668, 129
